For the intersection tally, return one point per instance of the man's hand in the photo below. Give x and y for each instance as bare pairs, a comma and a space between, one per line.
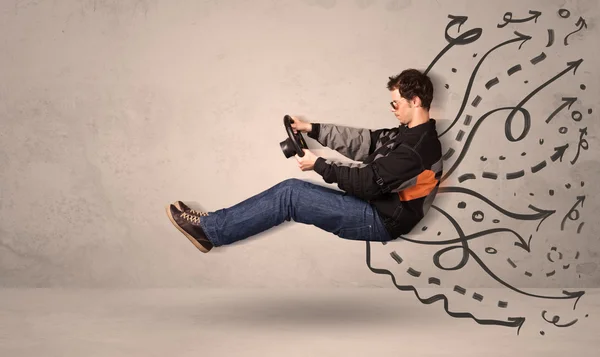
307, 162
300, 126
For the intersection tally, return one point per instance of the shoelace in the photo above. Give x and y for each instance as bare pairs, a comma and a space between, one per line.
198, 213
192, 218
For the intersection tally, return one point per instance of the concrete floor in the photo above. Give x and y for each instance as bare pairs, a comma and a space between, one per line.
266, 322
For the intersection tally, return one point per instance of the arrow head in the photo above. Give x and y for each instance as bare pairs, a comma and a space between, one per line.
536, 13
569, 100
523, 37
519, 321
581, 22
574, 65
560, 151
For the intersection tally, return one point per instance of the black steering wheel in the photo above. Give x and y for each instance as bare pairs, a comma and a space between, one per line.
294, 143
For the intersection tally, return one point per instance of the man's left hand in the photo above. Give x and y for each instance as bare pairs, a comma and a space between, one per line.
307, 162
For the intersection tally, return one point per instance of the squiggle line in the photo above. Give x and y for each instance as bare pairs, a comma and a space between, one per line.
468, 252
512, 321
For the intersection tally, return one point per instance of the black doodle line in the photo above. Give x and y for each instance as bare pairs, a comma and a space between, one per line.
564, 13
570, 66
555, 320
582, 141
541, 213
508, 18
550, 37
581, 23
580, 200
467, 252
473, 33
508, 124
464, 39
514, 69
568, 102
559, 152
512, 321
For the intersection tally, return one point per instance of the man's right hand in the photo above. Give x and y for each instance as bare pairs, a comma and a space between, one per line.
299, 125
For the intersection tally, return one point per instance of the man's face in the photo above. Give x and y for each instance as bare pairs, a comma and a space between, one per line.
401, 107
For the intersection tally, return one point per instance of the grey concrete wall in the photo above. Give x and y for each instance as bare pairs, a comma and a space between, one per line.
111, 109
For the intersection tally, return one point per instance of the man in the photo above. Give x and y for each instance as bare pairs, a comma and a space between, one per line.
382, 197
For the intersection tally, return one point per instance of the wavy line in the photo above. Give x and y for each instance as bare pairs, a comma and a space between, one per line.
529, 217
512, 321
522, 243
469, 253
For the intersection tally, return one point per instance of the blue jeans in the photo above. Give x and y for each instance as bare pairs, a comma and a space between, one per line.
334, 211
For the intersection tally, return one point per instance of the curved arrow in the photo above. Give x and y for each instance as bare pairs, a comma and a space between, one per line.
508, 18
468, 252
521, 243
581, 23
568, 101
464, 39
508, 124
542, 214
520, 38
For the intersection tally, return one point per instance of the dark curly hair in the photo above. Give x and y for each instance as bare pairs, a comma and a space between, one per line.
411, 83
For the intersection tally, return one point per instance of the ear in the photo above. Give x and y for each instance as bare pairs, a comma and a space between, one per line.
416, 101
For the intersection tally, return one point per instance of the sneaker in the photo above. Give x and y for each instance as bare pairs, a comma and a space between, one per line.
189, 225
185, 208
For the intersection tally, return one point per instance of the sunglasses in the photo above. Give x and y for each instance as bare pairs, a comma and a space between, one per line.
394, 104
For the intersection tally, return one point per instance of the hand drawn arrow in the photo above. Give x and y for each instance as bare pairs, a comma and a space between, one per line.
581, 23
508, 18
508, 124
520, 38
568, 101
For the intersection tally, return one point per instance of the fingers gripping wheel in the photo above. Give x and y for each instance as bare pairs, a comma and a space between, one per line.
294, 143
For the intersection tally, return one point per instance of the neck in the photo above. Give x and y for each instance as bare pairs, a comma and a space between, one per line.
420, 117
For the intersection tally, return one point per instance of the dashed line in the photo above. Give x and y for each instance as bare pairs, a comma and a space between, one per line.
468, 120
436, 281
515, 175
413, 272
492, 82
551, 273
460, 289
466, 177
433, 280
448, 154
550, 37
489, 175
476, 101
579, 228
396, 257
538, 167
511, 263
538, 59
514, 69
528, 274
460, 135
478, 297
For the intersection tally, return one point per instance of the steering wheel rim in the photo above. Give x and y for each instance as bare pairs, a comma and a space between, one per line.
297, 139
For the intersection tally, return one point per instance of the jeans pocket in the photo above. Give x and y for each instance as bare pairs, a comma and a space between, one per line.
364, 233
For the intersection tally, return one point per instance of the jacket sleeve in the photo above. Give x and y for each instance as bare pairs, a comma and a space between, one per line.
354, 143
375, 179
